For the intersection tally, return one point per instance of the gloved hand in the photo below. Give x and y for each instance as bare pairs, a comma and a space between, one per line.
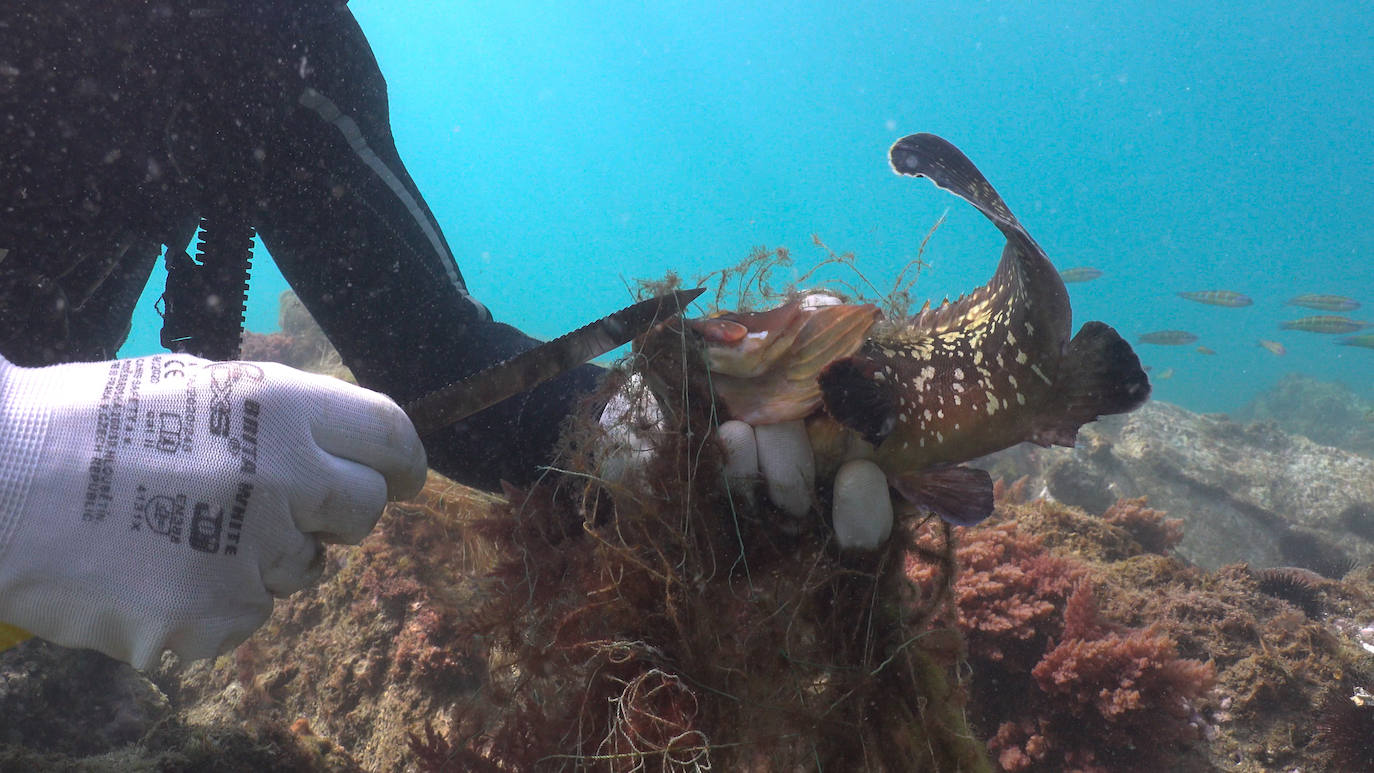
779, 454
161, 502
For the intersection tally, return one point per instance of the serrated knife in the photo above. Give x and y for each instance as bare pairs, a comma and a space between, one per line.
485, 388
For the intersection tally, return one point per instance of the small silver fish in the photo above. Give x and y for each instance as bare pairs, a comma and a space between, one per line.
1228, 298
1324, 323
1080, 274
1322, 302
1168, 338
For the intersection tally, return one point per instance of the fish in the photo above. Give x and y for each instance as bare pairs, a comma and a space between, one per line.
1365, 340
1167, 373
1324, 323
1275, 347
764, 364
1206, 350
1168, 338
1324, 302
1228, 298
985, 372
1080, 274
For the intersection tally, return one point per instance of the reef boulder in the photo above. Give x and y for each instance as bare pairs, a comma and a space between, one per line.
1246, 492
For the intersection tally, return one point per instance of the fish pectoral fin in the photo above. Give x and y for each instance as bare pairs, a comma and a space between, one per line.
959, 495
857, 394
830, 333
1100, 375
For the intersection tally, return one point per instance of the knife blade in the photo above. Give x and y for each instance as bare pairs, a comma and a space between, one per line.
485, 388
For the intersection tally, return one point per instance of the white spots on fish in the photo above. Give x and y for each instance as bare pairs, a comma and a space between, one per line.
939, 437
1011, 338
957, 386
927, 373
1011, 379
992, 403
757, 335
959, 374
1020, 399
1030, 329
1021, 360
1036, 370
926, 413
940, 414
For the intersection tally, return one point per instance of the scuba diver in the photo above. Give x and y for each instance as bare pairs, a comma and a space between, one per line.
162, 502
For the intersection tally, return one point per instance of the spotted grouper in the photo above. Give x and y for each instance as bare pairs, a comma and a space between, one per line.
994, 368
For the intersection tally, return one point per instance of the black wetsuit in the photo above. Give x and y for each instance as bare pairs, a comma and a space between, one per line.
123, 122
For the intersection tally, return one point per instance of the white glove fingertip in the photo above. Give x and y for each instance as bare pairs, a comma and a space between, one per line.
354, 499
369, 428
409, 475
214, 637
787, 464
862, 507
741, 457
290, 572
741, 449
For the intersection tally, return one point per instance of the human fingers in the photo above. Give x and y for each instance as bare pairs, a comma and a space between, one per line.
369, 428
787, 465
861, 508
352, 500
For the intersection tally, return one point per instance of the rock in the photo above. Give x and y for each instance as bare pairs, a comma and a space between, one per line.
1247, 493
1326, 412
33, 676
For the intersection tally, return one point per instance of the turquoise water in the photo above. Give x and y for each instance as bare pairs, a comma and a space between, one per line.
567, 149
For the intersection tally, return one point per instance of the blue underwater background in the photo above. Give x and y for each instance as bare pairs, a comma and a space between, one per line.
568, 149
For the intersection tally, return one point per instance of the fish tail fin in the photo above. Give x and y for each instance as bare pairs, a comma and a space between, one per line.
1100, 375
855, 392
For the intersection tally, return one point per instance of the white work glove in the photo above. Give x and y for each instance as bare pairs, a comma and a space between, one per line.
161, 502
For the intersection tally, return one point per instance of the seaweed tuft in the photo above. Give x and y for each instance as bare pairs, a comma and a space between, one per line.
647, 617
